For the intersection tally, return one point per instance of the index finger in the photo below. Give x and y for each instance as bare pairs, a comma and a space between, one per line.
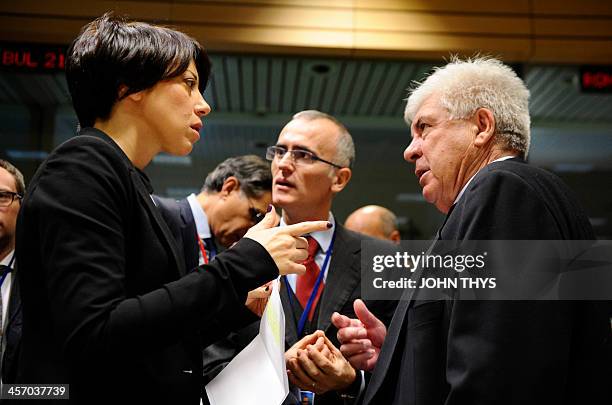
305, 227
260, 292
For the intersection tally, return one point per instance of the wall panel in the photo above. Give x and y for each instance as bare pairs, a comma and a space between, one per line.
571, 31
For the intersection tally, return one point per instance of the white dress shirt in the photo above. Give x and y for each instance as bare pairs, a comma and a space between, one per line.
6, 289
324, 239
201, 222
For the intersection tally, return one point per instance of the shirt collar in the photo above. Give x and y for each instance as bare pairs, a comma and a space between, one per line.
8, 258
471, 178
323, 238
200, 217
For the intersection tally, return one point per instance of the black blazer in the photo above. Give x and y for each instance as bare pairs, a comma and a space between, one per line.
499, 352
12, 334
108, 306
178, 216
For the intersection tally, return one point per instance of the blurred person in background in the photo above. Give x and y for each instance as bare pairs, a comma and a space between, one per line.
12, 189
234, 197
375, 221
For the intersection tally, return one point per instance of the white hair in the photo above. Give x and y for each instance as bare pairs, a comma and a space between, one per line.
464, 86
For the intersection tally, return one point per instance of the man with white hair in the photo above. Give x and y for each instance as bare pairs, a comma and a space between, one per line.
470, 135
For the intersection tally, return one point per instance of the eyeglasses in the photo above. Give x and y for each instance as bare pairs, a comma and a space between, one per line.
298, 156
7, 198
256, 215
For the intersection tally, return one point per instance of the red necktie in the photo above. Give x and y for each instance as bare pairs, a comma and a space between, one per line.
305, 282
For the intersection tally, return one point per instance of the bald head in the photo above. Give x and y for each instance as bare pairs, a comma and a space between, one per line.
375, 221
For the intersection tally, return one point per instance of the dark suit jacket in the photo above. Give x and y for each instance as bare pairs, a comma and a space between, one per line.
178, 216
499, 352
342, 288
180, 220
12, 334
108, 306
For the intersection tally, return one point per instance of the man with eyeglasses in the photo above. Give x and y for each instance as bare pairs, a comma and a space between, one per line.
12, 189
311, 164
235, 196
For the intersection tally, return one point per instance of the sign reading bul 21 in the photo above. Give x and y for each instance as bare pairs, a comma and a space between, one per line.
38, 58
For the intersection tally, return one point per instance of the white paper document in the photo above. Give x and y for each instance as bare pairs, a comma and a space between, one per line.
257, 375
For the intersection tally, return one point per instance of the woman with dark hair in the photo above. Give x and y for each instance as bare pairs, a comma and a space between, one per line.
107, 305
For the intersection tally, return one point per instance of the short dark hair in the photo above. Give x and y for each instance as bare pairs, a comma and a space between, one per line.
19, 182
111, 52
253, 173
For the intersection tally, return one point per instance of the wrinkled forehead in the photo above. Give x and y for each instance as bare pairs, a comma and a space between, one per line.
430, 110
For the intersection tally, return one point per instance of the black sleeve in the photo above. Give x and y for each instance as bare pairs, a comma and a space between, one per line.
506, 351
82, 204
503, 206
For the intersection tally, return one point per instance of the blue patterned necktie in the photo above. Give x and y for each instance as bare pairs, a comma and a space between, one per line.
210, 248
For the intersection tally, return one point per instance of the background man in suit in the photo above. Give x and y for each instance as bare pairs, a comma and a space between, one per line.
375, 221
234, 197
311, 163
12, 189
470, 136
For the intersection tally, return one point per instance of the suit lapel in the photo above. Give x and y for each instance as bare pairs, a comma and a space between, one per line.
145, 194
343, 274
158, 221
396, 326
395, 329
291, 336
14, 304
189, 234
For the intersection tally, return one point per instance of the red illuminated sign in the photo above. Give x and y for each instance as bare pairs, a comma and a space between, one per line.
596, 79
32, 57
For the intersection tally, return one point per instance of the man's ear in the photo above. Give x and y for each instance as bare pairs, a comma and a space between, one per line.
230, 184
395, 236
341, 179
485, 123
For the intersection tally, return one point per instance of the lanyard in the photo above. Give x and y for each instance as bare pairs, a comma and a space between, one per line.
203, 250
315, 289
8, 269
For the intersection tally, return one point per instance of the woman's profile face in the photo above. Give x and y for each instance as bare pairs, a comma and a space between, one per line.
173, 109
